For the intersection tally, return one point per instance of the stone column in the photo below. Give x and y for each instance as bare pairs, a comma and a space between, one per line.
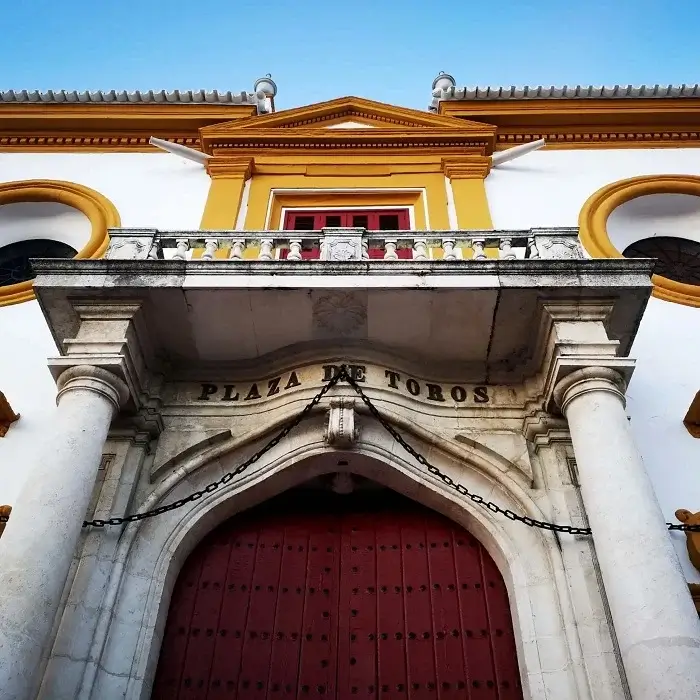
39, 542
655, 621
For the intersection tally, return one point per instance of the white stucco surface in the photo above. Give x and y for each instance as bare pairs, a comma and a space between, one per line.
22, 221
25, 345
674, 215
548, 188
157, 190
149, 190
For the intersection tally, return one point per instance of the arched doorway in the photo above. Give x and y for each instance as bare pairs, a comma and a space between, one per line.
318, 595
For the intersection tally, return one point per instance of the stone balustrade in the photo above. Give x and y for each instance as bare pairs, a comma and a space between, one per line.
342, 244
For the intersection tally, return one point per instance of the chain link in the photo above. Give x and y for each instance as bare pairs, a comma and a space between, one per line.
210, 488
463, 490
344, 375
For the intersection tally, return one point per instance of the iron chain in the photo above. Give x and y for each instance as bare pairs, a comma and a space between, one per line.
344, 375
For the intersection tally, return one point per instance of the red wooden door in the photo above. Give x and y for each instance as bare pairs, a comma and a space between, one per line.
322, 596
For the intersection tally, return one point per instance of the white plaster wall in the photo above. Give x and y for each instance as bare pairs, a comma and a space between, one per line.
673, 215
25, 343
548, 188
149, 190
31, 220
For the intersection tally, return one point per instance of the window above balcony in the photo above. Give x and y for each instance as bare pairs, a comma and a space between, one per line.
370, 219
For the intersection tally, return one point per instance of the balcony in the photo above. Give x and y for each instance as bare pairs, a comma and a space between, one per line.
461, 303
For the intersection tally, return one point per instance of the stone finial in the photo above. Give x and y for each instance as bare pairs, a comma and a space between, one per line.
692, 538
444, 81
341, 430
266, 85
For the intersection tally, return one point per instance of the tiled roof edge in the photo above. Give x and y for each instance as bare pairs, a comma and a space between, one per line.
568, 92
135, 97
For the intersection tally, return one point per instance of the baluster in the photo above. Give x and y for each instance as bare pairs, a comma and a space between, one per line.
210, 245
532, 248
182, 245
448, 249
237, 245
420, 249
365, 249
390, 250
506, 250
294, 249
322, 247
265, 249
478, 247
153, 252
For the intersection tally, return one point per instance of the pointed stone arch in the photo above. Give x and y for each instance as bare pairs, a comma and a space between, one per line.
126, 645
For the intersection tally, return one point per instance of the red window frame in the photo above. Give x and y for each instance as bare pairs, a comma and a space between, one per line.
371, 219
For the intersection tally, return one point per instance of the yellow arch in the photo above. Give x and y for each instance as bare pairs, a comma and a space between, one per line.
598, 207
102, 214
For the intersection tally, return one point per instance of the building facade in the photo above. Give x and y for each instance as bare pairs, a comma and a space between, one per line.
402, 403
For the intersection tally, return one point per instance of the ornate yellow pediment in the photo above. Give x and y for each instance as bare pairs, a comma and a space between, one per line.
349, 123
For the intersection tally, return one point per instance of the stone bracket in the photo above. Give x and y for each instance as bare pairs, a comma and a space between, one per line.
341, 431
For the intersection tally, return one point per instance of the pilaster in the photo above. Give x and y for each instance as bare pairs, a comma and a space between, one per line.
467, 175
228, 178
113, 336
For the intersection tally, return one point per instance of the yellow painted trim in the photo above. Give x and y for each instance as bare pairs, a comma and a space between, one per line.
228, 178
346, 200
598, 207
586, 123
112, 126
471, 204
319, 191
102, 214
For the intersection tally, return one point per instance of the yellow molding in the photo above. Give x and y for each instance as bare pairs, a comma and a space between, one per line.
598, 207
266, 192
344, 200
589, 123
355, 109
111, 127
230, 167
467, 167
102, 214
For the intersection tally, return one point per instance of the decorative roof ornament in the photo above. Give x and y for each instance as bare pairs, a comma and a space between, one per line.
444, 81
265, 85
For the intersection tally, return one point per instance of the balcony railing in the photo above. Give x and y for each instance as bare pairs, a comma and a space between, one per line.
344, 244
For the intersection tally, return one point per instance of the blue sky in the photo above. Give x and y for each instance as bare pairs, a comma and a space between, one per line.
381, 49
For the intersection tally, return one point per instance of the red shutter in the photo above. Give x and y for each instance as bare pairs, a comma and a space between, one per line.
371, 219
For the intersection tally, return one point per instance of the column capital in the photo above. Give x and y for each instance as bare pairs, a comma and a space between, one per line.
588, 379
95, 379
230, 166
472, 167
